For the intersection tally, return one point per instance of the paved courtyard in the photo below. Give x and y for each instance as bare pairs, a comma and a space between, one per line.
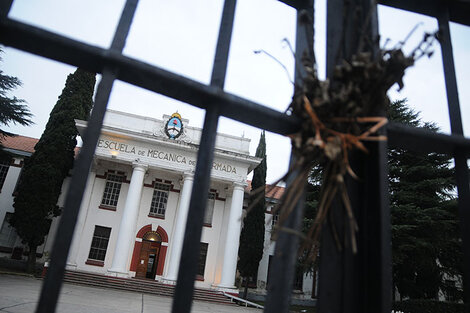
19, 294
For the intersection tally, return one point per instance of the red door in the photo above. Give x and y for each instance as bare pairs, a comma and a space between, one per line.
148, 259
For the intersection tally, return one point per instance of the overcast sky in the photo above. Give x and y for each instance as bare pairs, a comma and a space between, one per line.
180, 36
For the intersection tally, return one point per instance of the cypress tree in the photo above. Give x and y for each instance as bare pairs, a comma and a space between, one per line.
425, 235
43, 174
252, 235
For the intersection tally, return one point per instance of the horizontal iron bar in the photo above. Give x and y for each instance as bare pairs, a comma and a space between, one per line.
92, 58
422, 140
297, 4
63, 49
459, 10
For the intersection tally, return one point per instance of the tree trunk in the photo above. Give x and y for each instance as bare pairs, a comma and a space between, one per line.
245, 291
31, 265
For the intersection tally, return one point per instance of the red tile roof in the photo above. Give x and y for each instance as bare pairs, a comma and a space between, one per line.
20, 143
23, 143
271, 192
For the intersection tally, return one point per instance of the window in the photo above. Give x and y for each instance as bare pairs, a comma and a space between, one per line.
159, 200
7, 232
112, 190
99, 244
4, 166
209, 209
275, 219
152, 236
202, 259
274, 222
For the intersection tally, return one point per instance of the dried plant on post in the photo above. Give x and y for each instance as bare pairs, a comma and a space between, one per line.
336, 119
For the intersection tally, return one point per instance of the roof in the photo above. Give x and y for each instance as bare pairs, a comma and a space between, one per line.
23, 143
274, 192
20, 143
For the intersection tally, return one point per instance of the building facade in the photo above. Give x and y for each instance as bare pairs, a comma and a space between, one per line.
136, 203
18, 148
134, 210
305, 282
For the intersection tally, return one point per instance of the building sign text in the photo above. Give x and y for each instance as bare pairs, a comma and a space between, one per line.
118, 147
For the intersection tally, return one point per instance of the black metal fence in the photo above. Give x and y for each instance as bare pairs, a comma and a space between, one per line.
348, 283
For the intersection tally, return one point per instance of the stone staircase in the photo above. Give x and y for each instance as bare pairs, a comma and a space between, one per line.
140, 285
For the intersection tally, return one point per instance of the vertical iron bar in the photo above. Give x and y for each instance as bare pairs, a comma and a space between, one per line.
281, 280
124, 26
334, 30
449, 71
5, 7
361, 282
304, 39
375, 255
461, 167
53, 280
182, 299
463, 190
189, 259
331, 272
219, 68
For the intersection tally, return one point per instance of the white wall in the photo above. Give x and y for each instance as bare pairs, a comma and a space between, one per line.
214, 235
6, 195
143, 134
269, 248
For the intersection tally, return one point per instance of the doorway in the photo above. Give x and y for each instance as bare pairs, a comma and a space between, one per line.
148, 257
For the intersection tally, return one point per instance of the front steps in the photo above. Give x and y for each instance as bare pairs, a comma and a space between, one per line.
139, 285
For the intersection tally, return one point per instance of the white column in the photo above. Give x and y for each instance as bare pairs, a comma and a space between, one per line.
232, 240
180, 226
126, 235
77, 235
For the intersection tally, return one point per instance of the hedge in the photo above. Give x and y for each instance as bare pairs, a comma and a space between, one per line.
429, 306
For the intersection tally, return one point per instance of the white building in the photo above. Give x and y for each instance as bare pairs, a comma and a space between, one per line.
10, 168
133, 213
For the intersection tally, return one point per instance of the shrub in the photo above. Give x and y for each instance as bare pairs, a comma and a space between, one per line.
428, 306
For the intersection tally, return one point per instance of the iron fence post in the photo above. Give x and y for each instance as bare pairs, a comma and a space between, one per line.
182, 299
281, 278
53, 280
461, 173
357, 282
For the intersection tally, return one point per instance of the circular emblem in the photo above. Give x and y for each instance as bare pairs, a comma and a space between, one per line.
174, 126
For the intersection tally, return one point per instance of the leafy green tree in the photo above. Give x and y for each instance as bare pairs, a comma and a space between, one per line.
43, 174
252, 235
425, 235
12, 109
